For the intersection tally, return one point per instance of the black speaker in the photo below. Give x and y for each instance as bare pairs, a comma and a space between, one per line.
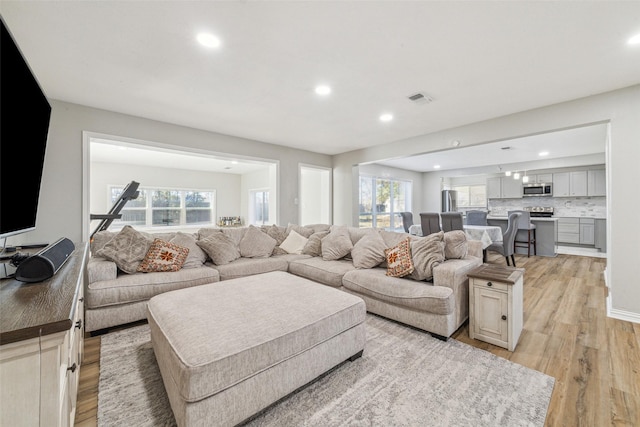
46, 262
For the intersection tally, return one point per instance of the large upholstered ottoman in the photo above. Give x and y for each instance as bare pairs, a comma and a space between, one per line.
230, 349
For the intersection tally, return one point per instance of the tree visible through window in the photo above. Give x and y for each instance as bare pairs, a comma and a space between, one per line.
382, 200
156, 207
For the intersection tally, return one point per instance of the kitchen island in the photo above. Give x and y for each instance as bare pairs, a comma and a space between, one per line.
546, 232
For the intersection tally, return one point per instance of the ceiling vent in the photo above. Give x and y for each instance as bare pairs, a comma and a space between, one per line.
421, 98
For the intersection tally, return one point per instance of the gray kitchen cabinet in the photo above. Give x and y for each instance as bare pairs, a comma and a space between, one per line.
511, 188
543, 178
494, 188
587, 231
569, 230
601, 234
596, 182
570, 184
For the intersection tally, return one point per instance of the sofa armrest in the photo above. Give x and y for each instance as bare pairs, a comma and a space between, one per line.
474, 248
100, 269
453, 274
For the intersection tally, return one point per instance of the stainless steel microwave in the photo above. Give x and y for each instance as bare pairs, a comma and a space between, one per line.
537, 189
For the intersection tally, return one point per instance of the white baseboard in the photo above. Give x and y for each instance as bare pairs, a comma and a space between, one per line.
615, 313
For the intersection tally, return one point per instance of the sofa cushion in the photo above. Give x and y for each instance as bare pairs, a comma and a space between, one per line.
336, 244
220, 248
368, 252
100, 239
325, 272
203, 233
427, 252
294, 243
242, 267
256, 244
455, 244
127, 249
399, 262
196, 256
163, 256
129, 288
303, 231
314, 244
235, 233
279, 233
421, 296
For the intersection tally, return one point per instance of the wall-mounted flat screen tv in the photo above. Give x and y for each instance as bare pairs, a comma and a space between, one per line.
24, 125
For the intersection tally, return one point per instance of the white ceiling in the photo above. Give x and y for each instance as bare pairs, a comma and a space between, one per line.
478, 60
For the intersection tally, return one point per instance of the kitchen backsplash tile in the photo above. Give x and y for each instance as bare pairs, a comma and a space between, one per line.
590, 207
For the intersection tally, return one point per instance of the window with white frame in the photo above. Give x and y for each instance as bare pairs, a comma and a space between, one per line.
259, 207
163, 207
471, 196
382, 200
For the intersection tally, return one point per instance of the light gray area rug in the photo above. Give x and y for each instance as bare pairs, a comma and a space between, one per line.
405, 378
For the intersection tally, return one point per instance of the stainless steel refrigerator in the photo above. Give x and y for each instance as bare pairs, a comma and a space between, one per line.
449, 203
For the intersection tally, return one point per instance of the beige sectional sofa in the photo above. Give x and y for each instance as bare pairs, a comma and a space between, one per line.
348, 258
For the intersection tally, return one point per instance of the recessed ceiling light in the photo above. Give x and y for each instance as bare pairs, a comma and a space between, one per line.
634, 40
436, 166
208, 40
234, 162
543, 153
386, 117
323, 90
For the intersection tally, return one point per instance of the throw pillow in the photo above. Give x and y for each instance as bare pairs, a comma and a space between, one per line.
163, 256
203, 233
126, 249
314, 244
336, 244
294, 243
256, 244
303, 231
279, 233
399, 262
100, 239
455, 244
368, 252
427, 253
196, 256
220, 248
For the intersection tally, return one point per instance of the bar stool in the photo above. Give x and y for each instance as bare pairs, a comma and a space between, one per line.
524, 223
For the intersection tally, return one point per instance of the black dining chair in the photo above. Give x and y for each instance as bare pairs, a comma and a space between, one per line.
451, 221
476, 217
507, 246
429, 222
407, 220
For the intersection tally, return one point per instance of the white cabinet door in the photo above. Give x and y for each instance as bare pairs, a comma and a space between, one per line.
544, 178
494, 188
587, 231
491, 309
511, 188
578, 183
561, 184
597, 183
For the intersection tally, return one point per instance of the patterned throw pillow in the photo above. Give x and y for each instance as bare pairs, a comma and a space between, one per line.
126, 249
399, 262
163, 256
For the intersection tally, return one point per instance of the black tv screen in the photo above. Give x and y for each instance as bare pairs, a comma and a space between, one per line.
24, 124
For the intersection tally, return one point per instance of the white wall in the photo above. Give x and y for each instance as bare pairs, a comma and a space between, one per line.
103, 175
620, 108
63, 201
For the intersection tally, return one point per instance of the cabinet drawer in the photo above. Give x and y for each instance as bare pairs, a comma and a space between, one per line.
590, 221
568, 237
488, 284
569, 228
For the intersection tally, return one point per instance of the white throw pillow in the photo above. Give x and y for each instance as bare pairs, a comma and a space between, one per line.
294, 243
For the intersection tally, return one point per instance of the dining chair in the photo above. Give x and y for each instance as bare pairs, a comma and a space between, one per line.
429, 222
451, 221
506, 247
407, 220
476, 217
524, 223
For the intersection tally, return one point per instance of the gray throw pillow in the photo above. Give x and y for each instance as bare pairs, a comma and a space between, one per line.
455, 244
280, 234
303, 231
127, 249
314, 244
427, 253
256, 244
220, 248
369, 251
196, 256
337, 244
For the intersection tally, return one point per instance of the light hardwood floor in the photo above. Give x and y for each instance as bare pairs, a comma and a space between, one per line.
594, 359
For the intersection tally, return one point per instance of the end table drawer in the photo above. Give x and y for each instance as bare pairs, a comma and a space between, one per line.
491, 284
